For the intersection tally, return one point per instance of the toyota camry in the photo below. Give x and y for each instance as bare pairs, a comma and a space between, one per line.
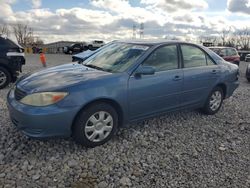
123, 82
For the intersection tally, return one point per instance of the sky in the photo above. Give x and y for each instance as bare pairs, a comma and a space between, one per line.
86, 20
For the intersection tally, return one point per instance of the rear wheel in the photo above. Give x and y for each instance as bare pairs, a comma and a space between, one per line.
95, 125
5, 77
214, 101
90, 47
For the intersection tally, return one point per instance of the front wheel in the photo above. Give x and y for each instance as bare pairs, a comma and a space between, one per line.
5, 77
95, 125
214, 101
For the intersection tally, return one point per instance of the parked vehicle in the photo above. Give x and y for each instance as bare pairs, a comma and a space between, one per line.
95, 44
82, 56
75, 48
248, 73
247, 58
123, 82
227, 53
243, 54
11, 61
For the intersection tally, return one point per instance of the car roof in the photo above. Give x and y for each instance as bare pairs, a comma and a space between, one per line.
152, 41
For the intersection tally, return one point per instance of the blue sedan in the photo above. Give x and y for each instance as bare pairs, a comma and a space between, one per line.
123, 82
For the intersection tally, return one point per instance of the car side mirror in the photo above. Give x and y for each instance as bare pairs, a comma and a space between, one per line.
221, 55
145, 70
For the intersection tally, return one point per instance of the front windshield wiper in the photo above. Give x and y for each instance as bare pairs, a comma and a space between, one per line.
96, 67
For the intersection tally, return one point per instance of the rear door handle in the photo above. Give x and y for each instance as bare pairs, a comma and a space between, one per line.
177, 77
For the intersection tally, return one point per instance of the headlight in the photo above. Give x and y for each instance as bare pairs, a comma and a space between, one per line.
44, 98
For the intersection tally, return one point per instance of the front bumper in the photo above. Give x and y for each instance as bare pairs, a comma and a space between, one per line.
41, 122
231, 87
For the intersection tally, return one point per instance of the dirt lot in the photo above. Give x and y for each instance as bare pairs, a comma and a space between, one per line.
185, 149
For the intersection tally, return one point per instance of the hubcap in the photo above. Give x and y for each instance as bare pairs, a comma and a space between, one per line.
3, 78
98, 126
215, 100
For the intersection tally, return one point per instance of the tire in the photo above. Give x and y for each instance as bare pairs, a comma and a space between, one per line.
248, 79
5, 77
89, 125
90, 47
209, 109
85, 48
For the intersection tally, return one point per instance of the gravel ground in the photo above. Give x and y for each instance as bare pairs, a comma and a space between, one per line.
185, 149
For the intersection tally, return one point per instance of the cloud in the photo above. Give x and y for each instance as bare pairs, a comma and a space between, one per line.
36, 3
240, 6
109, 19
5, 8
176, 5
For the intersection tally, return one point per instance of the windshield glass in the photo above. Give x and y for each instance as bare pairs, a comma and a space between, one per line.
115, 57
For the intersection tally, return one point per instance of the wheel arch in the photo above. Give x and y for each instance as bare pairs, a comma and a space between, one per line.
111, 102
9, 70
224, 89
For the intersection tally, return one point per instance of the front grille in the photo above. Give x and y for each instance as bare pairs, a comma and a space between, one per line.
19, 94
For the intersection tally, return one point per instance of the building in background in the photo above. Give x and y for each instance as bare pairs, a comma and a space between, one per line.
56, 47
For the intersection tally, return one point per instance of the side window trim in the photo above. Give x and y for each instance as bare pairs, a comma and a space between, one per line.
208, 57
162, 46
182, 60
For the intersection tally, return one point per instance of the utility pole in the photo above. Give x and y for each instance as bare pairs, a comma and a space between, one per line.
141, 31
134, 32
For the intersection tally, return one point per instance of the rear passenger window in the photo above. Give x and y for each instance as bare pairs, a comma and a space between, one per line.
164, 58
231, 52
193, 56
223, 52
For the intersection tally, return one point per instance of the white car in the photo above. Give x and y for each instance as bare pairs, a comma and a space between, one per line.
95, 44
247, 58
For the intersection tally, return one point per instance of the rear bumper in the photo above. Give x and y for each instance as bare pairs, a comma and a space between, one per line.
248, 72
41, 122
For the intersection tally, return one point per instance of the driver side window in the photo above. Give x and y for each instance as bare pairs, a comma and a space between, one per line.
163, 58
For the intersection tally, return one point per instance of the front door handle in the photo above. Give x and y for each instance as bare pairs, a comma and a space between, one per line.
177, 77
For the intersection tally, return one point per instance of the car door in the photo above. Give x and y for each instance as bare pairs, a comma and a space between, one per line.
200, 75
149, 94
232, 55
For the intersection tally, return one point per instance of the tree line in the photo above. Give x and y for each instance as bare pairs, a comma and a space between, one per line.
227, 37
239, 39
23, 34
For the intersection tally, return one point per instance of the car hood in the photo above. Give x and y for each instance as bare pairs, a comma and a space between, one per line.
59, 77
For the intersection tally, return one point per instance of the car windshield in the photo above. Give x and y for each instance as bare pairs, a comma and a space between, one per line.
115, 57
